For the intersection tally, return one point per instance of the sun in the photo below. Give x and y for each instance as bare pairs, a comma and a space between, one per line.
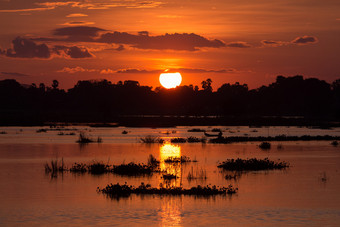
170, 80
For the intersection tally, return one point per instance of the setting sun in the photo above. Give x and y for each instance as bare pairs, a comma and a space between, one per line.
170, 80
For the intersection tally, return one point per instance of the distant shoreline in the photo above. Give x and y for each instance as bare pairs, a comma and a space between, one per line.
152, 121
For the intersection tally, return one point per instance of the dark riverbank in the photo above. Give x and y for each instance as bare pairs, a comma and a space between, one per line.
152, 121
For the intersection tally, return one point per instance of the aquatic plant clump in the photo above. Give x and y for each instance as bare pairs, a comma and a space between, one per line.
133, 169
193, 139
182, 159
265, 146
252, 164
117, 190
178, 140
151, 139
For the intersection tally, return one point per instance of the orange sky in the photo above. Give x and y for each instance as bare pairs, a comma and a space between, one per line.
247, 41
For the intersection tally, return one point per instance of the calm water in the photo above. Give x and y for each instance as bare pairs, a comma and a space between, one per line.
306, 194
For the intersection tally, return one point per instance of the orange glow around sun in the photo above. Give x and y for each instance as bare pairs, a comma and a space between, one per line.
170, 80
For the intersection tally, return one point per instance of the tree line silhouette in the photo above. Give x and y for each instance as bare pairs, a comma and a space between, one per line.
104, 101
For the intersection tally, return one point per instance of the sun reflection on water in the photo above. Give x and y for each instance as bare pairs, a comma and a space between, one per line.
170, 151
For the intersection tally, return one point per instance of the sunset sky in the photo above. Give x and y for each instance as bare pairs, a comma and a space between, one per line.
246, 41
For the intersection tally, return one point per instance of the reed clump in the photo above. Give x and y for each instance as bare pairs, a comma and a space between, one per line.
55, 167
252, 164
182, 159
197, 175
178, 140
116, 190
193, 139
151, 139
83, 139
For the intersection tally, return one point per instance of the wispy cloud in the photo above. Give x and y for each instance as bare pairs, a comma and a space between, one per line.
77, 15
75, 70
157, 71
301, 40
77, 23
238, 44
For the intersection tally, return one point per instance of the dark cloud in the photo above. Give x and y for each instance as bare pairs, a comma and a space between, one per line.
273, 43
305, 40
25, 48
13, 74
72, 52
78, 33
142, 40
176, 41
238, 44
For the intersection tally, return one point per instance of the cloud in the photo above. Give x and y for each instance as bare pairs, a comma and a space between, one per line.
273, 43
73, 23
78, 33
107, 71
176, 41
305, 40
72, 52
75, 70
25, 48
14, 74
238, 44
77, 15
42, 6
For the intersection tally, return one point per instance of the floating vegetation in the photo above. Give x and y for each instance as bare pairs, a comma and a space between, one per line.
265, 146
279, 146
3, 132
197, 175
182, 159
196, 130
178, 140
335, 143
151, 139
232, 139
41, 130
117, 190
251, 164
124, 132
193, 139
216, 130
